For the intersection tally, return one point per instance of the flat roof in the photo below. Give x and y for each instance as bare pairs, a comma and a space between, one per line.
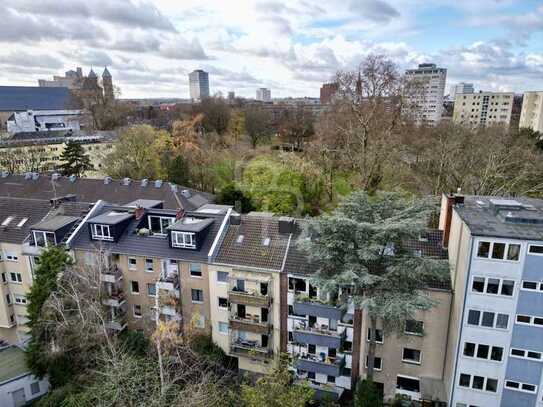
54, 223
12, 363
192, 226
111, 217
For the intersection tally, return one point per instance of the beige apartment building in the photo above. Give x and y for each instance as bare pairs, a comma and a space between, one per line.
531, 115
483, 109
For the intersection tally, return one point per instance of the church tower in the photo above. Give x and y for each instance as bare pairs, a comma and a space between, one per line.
107, 84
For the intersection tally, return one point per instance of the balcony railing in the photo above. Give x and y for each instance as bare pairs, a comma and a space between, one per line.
250, 349
252, 298
111, 274
249, 324
306, 306
116, 322
330, 366
318, 335
114, 298
170, 282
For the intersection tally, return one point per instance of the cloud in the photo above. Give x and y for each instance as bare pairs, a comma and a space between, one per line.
375, 10
30, 60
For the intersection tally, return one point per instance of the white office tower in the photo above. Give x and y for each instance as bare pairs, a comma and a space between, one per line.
425, 96
263, 94
531, 115
199, 84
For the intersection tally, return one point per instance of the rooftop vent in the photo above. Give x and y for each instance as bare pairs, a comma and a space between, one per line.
126, 181
5, 174
173, 187
107, 180
72, 178
158, 183
186, 193
144, 182
35, 176
55, 176
286, 224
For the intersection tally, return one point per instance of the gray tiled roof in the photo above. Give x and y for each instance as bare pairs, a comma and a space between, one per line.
483, 219
20, 208
250, 250
91, 190
53, 223
19, 98
130, 243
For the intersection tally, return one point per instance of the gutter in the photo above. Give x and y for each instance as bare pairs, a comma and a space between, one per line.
97, 205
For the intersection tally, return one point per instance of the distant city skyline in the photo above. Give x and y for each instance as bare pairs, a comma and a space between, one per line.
291, 48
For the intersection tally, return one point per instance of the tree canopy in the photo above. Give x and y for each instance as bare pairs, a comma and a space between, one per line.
74, 160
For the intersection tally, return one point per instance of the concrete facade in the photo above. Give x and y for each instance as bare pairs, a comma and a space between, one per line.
483, 109
531, 115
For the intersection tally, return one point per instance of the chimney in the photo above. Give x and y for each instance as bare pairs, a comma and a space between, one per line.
447, 204
144, 182
286, 225
139, 212
235, 219
107, 180
179, 213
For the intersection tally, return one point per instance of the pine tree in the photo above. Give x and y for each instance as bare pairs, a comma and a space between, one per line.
74, 160
361, 245
366, 394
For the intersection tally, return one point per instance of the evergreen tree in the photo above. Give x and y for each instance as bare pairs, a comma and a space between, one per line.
74, 160
366, 394
361, 245
230, 194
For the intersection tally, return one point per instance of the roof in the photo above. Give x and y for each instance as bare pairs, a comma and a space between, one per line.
144, 203
111, 217
20, 208
130, 243
12, 363
92, 190
196, 225
18, 98
53, 223
106, 73
513, 218
250, 250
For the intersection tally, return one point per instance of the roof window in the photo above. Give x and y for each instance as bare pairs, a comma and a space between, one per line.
22, 222
7, 221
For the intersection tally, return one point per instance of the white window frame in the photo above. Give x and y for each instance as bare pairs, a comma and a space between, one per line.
199, 271
539, 285
525, 357
18, 280
495, 319
22, 222
7, 221
131, 288
376, 341
134, 311
20, 299
375, 368
162, 232
414, 333
9, 256
98, 232
485, 382
505, 386
219, 304
412, 361
407, 377
531, 323
534, 254
197, 301
183, 240
500, 285
132, 266
227, 277
488, 358
491, 248
147, 270
44, 233
156, 290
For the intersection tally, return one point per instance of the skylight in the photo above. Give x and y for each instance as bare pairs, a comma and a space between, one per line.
22, 222
266, 241
239, 239
7, 221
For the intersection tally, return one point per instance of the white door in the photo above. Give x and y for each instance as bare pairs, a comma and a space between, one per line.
19, 398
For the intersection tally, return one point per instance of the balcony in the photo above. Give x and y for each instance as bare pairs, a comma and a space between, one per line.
114, 299
169, 282
250, 349
249, 324
116, 322
111, 275
330, 366
305, 306
30, 249
251, 298
323, 391
321, 336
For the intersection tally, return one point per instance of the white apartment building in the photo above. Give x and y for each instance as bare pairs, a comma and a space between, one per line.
462, 87
199, 84
425, 99
483, 108
263, 94
531, 115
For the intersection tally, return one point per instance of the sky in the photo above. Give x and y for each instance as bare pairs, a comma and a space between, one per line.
291, 47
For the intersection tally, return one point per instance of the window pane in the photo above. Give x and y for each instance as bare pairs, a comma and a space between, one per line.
492, 286
524, 319
529, 285
513, 385
507, 287
513, 252
534, 355
151, 289
488, 319
538, 321
484, 249
492, 385
464, 380
222, 276
517, 352
536, 249
478, 382
502, 321
413, 326
482, 351
478, 284
528, 387
498, 250
496, 354
473, 317
469, 349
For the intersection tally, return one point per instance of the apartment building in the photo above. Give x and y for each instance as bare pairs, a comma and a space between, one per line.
531, 115
424, 98
495, 341
263, 94
483, 109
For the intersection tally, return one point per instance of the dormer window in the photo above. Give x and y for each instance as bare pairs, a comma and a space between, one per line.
184, 240
158, 224
44, 239
101, 232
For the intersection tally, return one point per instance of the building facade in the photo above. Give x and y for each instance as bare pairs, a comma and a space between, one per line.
483, 109
263, 95
199, 85
327, 92
531, 115
462, 87
424, 97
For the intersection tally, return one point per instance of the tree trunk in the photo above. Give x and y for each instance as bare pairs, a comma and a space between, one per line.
371, 348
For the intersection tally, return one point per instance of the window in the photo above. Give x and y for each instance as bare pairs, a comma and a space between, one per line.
8, 299
132, 263
534, 249
4, 279
377, 363
411, 355
507, 287
151, 289
223, 328
413, 327
488, 320
408, 384
524, 387
499, 251
197, 295
469, 349
330, 379
101, 232
137, 310
378, 335
183, 240
195, 269
532, 285
223, 302
478, 382
478, 284
484, 249
494, 286
502, 321
530, 320
149, 265
44, 239
34, 388
158, 224
134, 287
473, 317
7, 221
222, 276
525, 354
11, 256
20, 299
513, 252
200, 322
16, 277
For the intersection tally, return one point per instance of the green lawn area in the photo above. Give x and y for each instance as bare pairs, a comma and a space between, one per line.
12, 363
